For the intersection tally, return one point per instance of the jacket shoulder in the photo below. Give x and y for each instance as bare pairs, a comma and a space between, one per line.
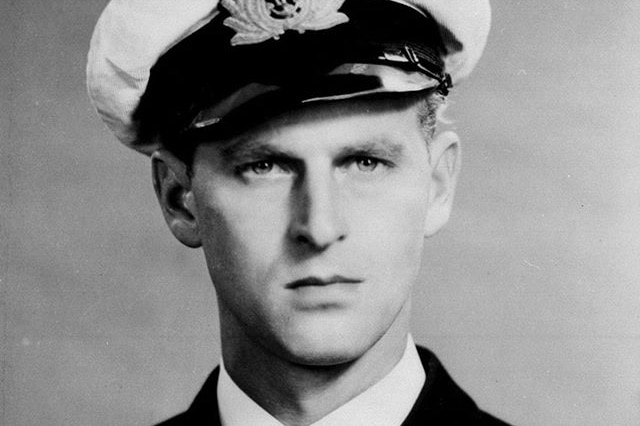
179, 420
443, 402
203, 410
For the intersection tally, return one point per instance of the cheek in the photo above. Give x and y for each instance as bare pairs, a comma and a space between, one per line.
242, 235
393, 233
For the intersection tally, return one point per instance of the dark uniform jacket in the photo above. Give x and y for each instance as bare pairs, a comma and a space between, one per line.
441, 402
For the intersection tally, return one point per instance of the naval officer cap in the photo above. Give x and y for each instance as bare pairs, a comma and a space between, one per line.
172, 68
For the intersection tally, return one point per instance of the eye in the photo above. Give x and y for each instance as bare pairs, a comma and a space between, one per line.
366, 164
262, 168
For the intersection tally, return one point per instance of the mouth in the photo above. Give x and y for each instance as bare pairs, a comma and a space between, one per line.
321, 282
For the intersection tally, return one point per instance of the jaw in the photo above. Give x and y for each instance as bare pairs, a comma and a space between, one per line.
311, 350
312, 384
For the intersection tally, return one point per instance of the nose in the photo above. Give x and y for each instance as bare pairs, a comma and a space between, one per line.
317, 219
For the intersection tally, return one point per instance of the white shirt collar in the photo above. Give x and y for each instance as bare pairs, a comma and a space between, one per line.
386, 403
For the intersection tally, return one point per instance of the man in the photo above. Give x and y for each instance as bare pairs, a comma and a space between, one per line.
294, 142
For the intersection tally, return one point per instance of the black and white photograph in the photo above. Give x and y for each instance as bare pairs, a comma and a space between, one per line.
319, 213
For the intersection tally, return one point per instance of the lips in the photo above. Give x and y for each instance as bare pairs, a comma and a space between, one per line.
321, 282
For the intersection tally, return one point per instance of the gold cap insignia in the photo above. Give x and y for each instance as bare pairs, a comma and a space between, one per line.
256, 21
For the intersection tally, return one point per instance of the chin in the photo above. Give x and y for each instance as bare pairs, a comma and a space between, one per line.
325, 356
330, 343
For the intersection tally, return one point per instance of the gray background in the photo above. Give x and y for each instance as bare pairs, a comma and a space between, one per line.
531, 296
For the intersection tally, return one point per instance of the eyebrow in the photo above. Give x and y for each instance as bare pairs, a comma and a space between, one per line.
377, 147
248, 148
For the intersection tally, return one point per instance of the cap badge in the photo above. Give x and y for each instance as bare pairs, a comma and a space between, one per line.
256, 21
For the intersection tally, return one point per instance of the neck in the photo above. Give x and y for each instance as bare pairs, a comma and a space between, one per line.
298, 394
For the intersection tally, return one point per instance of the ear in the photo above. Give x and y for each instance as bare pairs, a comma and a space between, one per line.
445, 166
172, 184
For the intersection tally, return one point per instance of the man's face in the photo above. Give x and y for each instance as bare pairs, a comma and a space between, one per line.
313, 227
